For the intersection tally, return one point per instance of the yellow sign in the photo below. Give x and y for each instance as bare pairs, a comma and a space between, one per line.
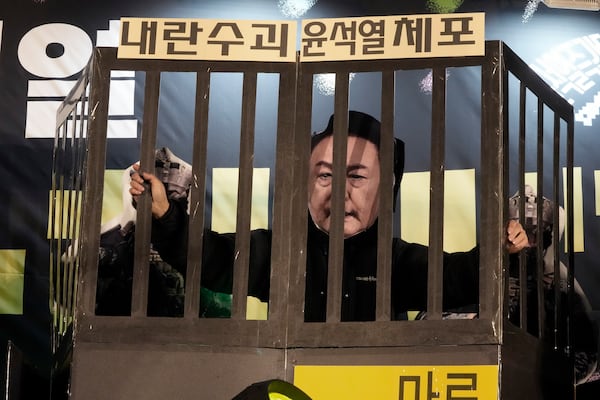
325, 39
326, 382
399, 36
207, 39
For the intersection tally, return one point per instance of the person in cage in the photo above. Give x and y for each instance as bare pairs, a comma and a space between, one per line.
584, 337
116, 250
409, 261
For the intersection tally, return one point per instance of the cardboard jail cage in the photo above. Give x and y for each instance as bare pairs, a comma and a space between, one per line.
490, 355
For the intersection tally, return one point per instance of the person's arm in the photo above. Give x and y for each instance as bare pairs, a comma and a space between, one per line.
461, 269
461, 279
170, 224
410, 276
160, 201
516, 237
170, 235
460, 276
169, 218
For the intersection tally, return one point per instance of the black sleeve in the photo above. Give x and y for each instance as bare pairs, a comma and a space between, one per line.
409, 277
170, 239
461, 279
170, 235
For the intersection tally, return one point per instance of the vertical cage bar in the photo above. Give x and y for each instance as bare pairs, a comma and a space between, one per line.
244, 206
139, 291
301, 151
570, 237
336, 229
55, 237
197, 196
386, 220
493, 183
72, 216
556, 174
505, 136
79, 182
539, 251
93, 180
281, 256
436, 205
522, 280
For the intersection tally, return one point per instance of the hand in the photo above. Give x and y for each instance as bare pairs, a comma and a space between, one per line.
160, 202
516, 237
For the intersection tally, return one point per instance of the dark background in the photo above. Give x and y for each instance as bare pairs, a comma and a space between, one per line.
25, 164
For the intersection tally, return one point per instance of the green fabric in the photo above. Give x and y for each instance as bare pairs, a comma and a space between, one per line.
214, 304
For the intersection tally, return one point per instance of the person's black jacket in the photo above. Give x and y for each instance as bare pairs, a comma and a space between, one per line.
409, 273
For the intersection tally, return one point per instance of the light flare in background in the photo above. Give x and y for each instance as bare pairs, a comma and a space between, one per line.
530, 9
295, 8
325, 83
426, 84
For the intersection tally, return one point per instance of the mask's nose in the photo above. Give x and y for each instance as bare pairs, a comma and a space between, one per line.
348, 190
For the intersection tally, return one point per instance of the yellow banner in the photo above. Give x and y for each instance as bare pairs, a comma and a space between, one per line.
207, 39
325, 39
326, 382
397, 36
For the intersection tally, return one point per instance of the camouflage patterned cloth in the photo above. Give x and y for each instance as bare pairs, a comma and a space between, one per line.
115, 276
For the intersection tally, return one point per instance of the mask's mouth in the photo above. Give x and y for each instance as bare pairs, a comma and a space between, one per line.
350, 213
347, 214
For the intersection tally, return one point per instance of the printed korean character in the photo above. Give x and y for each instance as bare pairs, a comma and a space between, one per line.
584, 54
570, 69
53, 54
416, 31
563, 68
343, 34
314, 37
181, 35
147, 36
457, 28
276, 39
466, 382
228, 34
372, 33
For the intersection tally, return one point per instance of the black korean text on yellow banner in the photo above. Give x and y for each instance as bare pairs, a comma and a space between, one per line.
207, 39
322, 382
387, 37
326, 39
